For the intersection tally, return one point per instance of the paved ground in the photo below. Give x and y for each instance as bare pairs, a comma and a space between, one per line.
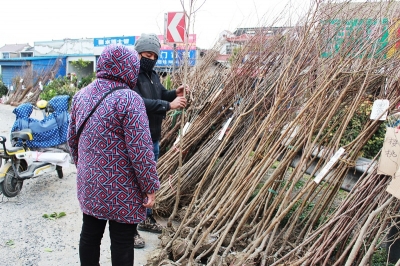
26, 238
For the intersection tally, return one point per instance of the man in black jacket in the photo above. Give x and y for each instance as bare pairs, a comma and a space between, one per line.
158, 101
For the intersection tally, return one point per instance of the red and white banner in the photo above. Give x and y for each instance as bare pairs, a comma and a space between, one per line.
174, 27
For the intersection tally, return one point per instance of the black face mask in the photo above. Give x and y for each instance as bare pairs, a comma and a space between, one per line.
147, 64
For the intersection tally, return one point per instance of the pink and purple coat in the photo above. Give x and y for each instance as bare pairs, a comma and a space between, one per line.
114, 154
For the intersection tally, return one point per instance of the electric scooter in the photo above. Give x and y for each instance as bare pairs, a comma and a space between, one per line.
28, 158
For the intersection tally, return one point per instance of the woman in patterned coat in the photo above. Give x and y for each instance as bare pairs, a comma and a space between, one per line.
116, 171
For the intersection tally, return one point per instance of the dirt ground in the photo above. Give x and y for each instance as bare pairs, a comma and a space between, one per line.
26, 238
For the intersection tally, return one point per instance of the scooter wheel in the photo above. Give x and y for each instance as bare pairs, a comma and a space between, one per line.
11, 186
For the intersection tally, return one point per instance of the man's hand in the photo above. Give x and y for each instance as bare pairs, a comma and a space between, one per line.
180, 89
151, 199
179, 102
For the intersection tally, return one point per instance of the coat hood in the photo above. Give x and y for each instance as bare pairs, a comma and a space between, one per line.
119, 63
23, 110
59, 103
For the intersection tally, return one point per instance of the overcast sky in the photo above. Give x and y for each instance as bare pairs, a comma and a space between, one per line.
29, 21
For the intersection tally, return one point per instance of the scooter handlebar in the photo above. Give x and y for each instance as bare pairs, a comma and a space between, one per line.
3, 142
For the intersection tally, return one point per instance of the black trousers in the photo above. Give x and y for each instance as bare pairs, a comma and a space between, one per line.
121, 236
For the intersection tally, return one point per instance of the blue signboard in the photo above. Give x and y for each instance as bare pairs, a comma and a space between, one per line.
125, 40
166, 58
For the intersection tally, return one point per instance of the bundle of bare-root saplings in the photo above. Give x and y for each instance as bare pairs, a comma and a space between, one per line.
241, 199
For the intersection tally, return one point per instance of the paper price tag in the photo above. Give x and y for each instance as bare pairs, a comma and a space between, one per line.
389, 160
394, 186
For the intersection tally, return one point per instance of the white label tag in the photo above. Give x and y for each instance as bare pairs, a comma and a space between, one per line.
221, 135
379, 108
185, 129
328, 166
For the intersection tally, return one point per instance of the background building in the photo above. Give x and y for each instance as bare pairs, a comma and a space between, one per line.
19, 58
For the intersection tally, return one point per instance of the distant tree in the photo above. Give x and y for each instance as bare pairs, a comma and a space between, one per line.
3, 88
235, 53
80, 64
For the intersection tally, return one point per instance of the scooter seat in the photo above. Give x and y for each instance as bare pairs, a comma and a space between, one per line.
24, 134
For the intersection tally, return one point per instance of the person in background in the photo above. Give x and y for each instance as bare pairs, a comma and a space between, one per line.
158, 101
116, 170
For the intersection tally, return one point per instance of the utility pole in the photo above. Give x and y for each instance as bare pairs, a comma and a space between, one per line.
173, 61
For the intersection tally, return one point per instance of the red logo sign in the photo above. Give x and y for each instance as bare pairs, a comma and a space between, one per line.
175, 27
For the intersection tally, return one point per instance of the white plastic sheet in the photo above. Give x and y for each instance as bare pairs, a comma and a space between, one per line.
62, 159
